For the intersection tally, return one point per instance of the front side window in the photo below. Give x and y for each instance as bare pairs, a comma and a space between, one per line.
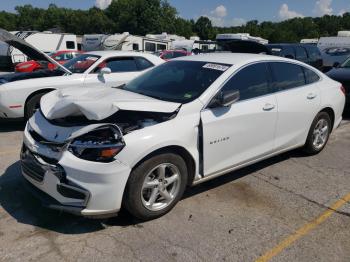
143, 63
251, 82
177, 81
346, 64
81, 63
287, 76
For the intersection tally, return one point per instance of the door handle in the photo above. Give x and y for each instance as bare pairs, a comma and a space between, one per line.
268, 107
311, 96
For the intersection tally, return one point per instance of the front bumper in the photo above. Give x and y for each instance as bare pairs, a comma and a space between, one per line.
78, 186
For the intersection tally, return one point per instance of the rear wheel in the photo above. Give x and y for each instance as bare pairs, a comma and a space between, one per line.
32, 105
155, 186
319, 134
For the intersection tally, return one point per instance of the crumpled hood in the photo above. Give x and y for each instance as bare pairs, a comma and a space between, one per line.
99, 103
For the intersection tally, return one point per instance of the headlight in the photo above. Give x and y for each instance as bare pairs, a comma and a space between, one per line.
99, 145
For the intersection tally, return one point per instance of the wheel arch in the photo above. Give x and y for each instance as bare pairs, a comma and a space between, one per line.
40, 91
179, 150
331, 114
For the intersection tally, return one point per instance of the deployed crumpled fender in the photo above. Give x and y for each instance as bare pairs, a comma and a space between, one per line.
99, 103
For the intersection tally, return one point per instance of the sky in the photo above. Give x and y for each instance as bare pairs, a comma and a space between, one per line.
221, 12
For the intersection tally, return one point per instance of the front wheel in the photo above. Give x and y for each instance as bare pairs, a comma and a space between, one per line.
155, 186
319, 134
32, 105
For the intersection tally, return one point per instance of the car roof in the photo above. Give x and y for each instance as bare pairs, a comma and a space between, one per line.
232, 58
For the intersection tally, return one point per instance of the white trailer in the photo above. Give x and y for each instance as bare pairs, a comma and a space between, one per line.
127, 42
312, 41
93, 42
44, 41
194, 45
241, 36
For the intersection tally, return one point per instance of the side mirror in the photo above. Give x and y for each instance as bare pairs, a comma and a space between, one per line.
225, 98
105, 71
336, 65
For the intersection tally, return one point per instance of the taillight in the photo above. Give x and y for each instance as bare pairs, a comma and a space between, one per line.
342, 88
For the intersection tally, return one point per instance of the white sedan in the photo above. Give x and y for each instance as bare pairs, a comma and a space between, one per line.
180, 124
20, 93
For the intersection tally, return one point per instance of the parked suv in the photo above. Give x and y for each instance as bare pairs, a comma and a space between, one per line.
307, 53
179, 124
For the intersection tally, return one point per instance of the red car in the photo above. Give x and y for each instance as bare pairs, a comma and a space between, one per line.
60, 56
171, 54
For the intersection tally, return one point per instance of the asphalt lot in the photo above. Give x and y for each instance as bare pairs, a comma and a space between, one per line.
289, 208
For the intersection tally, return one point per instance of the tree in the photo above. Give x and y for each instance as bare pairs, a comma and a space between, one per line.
204, 28
141, 17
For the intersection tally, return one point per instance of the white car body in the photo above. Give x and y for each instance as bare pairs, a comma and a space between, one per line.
214, 141
14, 95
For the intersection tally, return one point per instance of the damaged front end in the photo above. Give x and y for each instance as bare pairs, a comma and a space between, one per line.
74, 159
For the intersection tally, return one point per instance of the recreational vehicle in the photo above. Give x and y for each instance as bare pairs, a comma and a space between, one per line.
240, 36
46, 42
127, 42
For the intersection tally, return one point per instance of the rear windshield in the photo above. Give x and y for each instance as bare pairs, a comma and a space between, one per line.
177, 81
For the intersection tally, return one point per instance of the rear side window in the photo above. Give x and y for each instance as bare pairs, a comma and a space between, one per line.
288, 52
143, 63
310, 76
251, 82
287, 76
179, 54
314, 53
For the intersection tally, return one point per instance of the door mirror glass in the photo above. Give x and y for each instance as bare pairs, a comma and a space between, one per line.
105, 71
225, 98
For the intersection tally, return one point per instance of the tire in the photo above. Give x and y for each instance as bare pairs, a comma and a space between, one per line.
311, 146
146, 181
32, 105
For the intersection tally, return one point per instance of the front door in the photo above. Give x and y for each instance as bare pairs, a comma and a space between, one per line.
244, 131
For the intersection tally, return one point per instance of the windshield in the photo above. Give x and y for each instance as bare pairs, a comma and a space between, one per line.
81, 63
346, 64
177, 81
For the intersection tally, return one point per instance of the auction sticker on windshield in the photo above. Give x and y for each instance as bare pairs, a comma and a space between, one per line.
216, 67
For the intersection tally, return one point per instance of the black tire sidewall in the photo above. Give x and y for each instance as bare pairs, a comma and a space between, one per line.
309, 147
30, 105
132, 196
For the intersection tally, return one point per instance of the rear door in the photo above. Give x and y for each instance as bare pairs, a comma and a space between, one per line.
245, 130
298, 100
123, 69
